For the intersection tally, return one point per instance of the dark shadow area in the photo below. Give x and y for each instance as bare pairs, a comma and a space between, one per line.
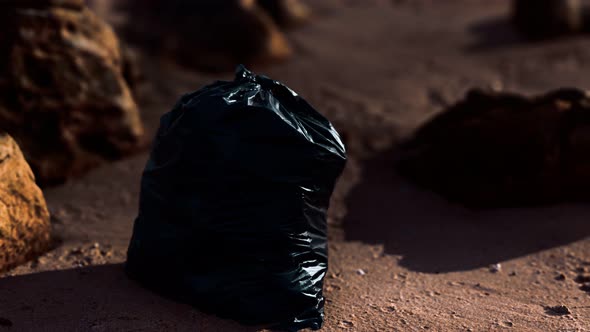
99, 298
494, 33
500, 32
435, 236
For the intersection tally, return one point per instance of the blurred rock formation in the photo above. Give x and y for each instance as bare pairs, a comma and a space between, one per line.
63, 96
24, 219
501, 149
213, 34
286, 13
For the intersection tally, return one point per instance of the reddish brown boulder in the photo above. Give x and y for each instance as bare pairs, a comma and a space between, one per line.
24, 220
206, 34
62, 93
500, 149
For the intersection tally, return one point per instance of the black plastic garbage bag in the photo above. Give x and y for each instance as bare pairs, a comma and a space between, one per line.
233, 205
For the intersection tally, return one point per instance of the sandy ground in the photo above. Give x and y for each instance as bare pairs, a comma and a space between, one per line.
401, 259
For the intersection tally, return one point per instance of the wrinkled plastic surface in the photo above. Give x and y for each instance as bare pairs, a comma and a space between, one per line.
233, 204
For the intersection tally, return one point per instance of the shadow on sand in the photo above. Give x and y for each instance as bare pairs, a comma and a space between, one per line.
434, 236
98, 298
499, 32
494, 33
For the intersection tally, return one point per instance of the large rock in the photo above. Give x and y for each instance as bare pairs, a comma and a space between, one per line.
207, 34
548, 18
499, 149
62, 93
24, 220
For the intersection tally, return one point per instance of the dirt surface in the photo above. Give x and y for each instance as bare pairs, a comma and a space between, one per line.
401, 259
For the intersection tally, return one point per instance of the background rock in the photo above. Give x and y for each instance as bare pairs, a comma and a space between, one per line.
499, 149
62, 92
206, 34
286, 13
24, 220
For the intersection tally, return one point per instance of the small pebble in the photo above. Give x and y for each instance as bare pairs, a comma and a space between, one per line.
560, 277
390, 308
496, 85
495, 268
559, 310
361, 272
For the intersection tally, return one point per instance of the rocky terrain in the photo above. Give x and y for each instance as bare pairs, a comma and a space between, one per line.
402, 257
64, 98
25, 229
